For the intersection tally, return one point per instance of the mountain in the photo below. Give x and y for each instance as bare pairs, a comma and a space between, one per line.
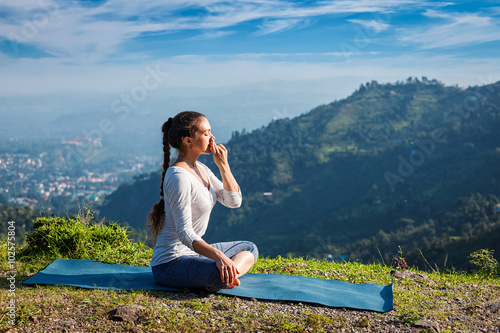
340, 174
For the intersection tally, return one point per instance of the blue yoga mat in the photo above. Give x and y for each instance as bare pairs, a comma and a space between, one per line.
95, 274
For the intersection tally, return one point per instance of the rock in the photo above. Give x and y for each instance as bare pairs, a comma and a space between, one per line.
430, 326
126, 312
363, 322
408, 274
493, 307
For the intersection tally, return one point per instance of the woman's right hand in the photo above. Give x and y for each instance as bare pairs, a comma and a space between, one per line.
228, 271
227, 268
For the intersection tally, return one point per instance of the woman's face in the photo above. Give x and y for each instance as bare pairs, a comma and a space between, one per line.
204, 138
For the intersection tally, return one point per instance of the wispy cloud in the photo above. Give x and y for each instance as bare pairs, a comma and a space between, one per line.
276, 26
458, 29
374, 25
89, 31
22, 5
291, 56
212, 34
100, 45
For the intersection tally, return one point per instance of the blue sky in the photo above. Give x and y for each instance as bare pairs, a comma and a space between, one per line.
292, 55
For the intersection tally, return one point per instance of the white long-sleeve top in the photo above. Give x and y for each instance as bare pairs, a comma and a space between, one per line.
188, 204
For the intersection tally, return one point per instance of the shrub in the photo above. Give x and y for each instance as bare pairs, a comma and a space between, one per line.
484, 259
79, 238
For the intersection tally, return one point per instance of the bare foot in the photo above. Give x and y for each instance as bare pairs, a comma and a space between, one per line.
235, 283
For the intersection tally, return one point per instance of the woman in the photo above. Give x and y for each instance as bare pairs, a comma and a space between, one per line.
189, 190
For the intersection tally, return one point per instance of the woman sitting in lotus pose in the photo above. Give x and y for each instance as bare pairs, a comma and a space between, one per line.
189, 191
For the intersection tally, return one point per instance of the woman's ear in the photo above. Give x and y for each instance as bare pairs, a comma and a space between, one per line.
188, 142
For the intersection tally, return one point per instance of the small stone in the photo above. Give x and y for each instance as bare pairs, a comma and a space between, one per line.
363, 322
493, 307
428, 325
126, 312
408, 274
253, 299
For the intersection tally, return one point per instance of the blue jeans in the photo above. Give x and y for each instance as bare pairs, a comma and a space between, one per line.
197, 271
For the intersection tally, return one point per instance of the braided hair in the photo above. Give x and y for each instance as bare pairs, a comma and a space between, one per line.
184, 124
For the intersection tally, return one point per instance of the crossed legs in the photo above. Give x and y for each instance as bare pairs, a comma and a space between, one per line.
201, 272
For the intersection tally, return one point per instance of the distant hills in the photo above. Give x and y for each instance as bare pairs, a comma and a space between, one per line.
388, 166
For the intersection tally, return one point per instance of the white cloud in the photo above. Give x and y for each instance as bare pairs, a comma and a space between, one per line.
458, 18
276, 26
84, 41
374, 25
495, 10
92, 32
459, 29
212, 34
26, 5
435, 13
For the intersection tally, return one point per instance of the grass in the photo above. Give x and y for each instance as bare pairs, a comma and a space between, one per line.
75, 238
442, 296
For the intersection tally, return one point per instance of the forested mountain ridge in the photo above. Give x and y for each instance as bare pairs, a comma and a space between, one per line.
347, 170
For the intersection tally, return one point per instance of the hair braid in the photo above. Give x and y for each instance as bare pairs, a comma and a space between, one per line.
166, 152
184, 124
156, 216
